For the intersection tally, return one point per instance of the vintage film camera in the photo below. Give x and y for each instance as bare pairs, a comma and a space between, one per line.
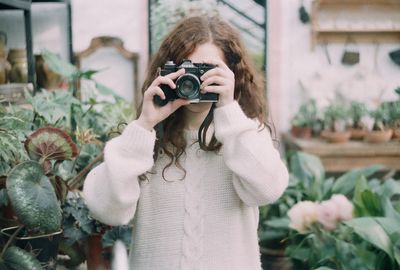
187, 85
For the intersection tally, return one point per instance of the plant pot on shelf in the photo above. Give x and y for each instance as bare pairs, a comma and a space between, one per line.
396, 134
44, 247
275, 259
357, 133
378, 136
94, 254
336, 136
301, 132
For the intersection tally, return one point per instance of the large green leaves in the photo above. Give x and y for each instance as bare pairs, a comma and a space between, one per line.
33, 197
15, 258
311, 174
345, 184
371, 231
54, 107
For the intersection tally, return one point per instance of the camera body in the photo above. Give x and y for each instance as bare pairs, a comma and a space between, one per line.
187, 85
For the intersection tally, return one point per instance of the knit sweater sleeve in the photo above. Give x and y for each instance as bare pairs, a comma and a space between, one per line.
260, 176
111, 190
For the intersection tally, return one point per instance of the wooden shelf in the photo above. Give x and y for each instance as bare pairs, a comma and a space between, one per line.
14, 92
362, 20
350, 155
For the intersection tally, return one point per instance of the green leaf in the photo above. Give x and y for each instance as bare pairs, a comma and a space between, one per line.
50, 143
278, 223
54, 106
88, 74
33, 197
361, 186
371, 231
346, 183
59, 66
106, 91
310, 172
389, 210
372, 204
390, 188
15, 258
396, 251
123, 233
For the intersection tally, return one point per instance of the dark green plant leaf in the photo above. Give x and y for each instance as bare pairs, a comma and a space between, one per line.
372, 204
88, 74
15, 258
123, 233
33, 197
87, 154
371, 231
396, 251
346, 183
50, 144
278, 223
361, 186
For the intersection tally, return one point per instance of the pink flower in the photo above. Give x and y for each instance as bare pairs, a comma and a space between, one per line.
302, 215
328, 214
344, 205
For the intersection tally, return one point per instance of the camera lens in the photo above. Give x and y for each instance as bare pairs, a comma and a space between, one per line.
188, 86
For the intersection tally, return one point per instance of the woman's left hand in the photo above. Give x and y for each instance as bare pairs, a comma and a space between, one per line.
220, 80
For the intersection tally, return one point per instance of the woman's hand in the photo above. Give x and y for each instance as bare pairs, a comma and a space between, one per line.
224, 80
152, 114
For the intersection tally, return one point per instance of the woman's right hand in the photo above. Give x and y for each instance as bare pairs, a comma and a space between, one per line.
152, 114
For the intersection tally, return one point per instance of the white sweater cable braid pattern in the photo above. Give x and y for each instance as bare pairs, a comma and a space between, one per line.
207, 220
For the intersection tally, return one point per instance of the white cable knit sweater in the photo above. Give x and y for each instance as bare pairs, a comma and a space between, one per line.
206, 221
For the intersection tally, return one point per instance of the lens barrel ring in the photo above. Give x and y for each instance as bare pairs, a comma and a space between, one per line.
188, 86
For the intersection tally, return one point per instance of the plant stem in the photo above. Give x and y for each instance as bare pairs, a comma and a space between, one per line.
10, 240
74, 181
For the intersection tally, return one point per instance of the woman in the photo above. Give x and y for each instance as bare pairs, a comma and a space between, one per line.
193, 187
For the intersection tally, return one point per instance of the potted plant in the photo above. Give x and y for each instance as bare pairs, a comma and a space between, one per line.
308, 182
342, 234
304, 120
49, 119
31, 189
380, 131
94, 238
395, 116
357, 111
335, 117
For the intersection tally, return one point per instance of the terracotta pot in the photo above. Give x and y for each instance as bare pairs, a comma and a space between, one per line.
357, 133
378, 136
275, 259
336, 137
396, 134
94, 254
45, 77
301, 132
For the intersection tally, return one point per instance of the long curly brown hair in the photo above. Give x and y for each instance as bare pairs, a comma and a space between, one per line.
178, 45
